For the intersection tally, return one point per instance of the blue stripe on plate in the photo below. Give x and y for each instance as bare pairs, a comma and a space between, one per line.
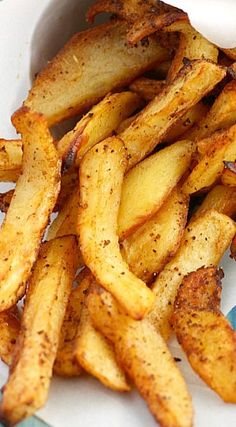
231, 316
31, 422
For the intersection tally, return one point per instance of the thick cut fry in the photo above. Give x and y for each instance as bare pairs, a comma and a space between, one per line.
129, 10
222, 147
228, 176
33, 201
9, 331
147, 88
203, 244
95, 354
148, 249
47, 298
10, 159
204, 333
96, 125
221, 115
148, 184
71, 81
193, 82
65, 363
220, 198
101, 176
66, 221
146, 359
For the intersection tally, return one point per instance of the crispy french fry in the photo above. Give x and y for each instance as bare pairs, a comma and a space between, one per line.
126, 123
228, 176
203, 244
129, 10
10, 159
220, 198
71, 81
33, 201
148, 249
95, 354
233, 248
66, 221
47, 298
148, 184
146, 359
221, 115
9, 331
101, 176
204, 333
147, 88
222, 146
193, 82
96, 125
231, 53
65, 363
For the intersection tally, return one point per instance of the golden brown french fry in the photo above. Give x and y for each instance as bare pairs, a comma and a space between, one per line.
228, 176
147, 88
203, 244
33, 201
221, 115
101, 176
10, 159
204, 333
220, 198
148, 184
71, 81
146, 359
231, 53
66, 221
233, 248
9, 331
95, 354
47, 298
125, 124
129, 10
193, 82
148, 249
65, 363
5, 200
96, 125
222, 146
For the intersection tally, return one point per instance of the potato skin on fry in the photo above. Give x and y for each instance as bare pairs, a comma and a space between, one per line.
204, 333
35, 352
146, 359
33, 201
71, 82
101, 176
204, 242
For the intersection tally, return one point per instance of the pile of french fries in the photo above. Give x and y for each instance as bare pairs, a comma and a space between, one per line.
144, 187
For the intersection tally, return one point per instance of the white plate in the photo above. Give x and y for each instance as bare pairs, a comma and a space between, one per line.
30, 33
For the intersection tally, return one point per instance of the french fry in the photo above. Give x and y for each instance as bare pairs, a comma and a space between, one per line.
126, 123
65, 363
221, 115
66, 221
161, 114
47, 298
5, 200
220, 198
146, 359
231, 53
228, 176
33, 201
148, 249
129, 10
96, 125
203, 244
71, 82
222, 146
95, 354
9, 331
10, 159
101, 176
204, 333
147, 88
148, 184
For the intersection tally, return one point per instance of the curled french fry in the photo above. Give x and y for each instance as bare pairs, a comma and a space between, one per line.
49, 289
28, 214
203, 244
101, 176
